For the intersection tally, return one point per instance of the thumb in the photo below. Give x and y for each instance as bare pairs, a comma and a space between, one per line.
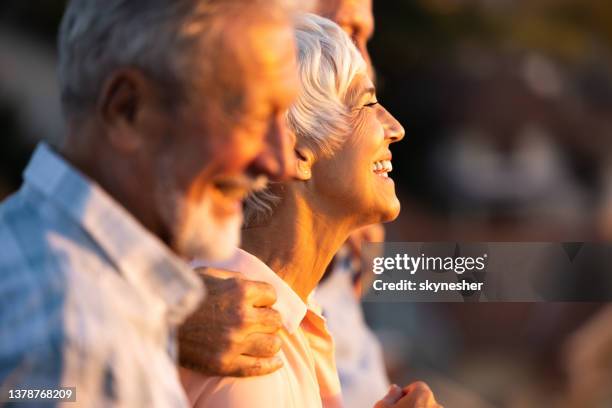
394, 394
218, 273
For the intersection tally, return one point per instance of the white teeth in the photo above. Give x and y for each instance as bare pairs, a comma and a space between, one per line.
382, 165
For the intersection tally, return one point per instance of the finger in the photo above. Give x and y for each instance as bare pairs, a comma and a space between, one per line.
261, 345
419, 386
264, 320
419, 394
259, 294
219, 273
421, 400
247, 366
382, 404
394, 394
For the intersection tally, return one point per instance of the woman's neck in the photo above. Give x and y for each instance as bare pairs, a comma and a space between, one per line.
297, 244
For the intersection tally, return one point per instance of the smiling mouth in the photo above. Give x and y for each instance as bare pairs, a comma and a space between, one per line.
238, 188
382, 168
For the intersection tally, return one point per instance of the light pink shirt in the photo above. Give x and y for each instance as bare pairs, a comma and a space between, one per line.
308, 378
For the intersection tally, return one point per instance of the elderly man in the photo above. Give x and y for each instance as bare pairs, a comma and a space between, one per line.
174, 112
356, 19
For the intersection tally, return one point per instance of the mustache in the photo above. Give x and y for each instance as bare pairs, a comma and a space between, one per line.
244, 183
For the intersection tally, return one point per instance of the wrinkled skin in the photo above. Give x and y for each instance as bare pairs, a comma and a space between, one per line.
246, 344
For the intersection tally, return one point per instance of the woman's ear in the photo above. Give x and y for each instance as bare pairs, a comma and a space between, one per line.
304, 161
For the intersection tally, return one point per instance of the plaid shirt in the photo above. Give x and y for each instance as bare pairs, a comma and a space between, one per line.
88, 298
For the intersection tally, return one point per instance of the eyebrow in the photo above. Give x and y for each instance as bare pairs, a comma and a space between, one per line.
368, 91
356, 96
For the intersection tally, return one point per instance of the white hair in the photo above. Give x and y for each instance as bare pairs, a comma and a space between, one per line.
158, 37
328, 62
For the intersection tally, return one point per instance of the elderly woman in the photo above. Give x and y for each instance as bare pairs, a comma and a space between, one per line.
293, 229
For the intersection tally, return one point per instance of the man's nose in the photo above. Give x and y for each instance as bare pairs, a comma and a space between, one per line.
363, 49
277, 160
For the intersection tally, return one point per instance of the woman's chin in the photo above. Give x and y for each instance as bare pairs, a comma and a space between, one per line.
392, 215
390, 211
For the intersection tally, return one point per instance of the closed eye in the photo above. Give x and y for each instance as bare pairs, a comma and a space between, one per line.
369, 105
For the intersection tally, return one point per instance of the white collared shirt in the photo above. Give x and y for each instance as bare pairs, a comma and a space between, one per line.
308, 378
88, 297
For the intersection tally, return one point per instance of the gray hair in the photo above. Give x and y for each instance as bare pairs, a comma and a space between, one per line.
158, 37
321, 117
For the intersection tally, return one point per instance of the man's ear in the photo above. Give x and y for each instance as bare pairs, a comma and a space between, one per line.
121, 103
304, 161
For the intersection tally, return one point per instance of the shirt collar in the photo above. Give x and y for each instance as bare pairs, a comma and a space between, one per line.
144, 261
290, 306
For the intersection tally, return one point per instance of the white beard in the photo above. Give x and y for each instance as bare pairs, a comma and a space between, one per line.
202, 236
196, 232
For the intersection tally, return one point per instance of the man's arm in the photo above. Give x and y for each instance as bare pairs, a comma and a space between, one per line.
31, 333
234, 331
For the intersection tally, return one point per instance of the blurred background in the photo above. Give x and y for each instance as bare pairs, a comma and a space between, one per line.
507, 106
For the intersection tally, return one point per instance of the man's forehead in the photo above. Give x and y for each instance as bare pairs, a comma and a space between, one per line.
254, 45
263, 68
269, 50
356, 14
249, 54
333, 8
359, 4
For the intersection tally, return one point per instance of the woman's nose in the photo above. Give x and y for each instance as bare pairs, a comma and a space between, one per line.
394, 131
